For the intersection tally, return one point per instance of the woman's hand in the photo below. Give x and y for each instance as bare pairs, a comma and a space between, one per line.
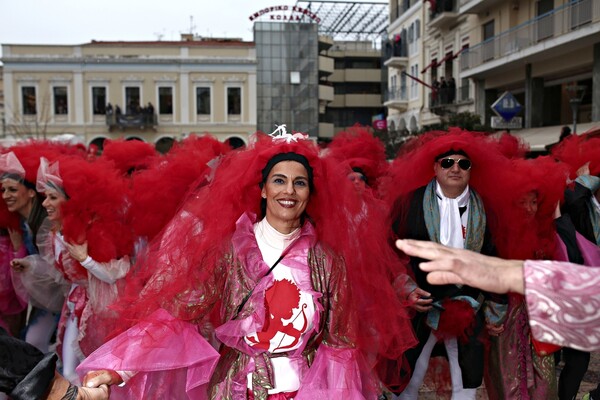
20, 264
102, 377
78, 251
16, 238
420, 300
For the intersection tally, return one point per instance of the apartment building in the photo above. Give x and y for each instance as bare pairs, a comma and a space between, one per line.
546, 53
356, 82
403, 55
155, 91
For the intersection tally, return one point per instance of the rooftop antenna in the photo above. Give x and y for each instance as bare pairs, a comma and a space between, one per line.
192, 26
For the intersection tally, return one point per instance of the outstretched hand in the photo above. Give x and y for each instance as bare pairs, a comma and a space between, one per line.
464, 267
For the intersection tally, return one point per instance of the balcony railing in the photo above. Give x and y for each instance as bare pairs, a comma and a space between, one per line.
396, 98
124, 121
558, 22
449, 96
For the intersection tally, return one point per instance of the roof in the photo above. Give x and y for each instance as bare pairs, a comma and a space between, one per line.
539, 138
175, 43
349, 20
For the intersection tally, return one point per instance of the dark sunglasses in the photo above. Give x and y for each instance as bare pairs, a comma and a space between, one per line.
463, 163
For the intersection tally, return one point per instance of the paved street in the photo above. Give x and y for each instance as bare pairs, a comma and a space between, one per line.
591, 379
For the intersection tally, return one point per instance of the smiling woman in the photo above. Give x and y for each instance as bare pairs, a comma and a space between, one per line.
286, 192
279, 261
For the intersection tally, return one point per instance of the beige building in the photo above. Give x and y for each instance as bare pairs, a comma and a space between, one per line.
403, 56
356, 83
152, 91
546, 53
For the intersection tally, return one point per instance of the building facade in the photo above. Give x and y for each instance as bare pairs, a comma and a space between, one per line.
151, 91
356, 83
288, 77
544, 52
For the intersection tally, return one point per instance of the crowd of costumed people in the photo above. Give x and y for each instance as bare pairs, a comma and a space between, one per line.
270, 271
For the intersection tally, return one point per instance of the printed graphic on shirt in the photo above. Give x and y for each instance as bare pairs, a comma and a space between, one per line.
285, 319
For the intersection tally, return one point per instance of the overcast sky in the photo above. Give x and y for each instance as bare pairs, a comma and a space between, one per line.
80, 21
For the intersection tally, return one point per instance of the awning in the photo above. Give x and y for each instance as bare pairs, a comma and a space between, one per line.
539, 138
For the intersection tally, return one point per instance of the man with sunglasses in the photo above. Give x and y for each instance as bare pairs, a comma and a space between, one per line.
448, 211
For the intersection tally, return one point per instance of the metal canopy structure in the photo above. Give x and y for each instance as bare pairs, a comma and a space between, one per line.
349, 20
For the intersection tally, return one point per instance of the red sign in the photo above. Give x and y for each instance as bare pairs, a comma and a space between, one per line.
296, 13
380, 124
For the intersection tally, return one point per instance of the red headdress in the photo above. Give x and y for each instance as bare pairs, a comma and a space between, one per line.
576, 150
512, 146
360, 149
413, 167
96, 206
516, 234
195, 242
158, 191
129, 155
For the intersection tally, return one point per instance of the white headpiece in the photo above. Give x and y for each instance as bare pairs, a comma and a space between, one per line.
281, 134
48, 176
10, 164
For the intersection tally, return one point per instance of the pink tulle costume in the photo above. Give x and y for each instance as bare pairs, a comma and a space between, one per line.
172, 352
207, 284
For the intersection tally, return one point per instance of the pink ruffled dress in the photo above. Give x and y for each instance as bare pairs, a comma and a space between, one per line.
293, 334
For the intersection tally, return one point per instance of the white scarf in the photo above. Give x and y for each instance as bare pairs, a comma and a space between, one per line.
451, 228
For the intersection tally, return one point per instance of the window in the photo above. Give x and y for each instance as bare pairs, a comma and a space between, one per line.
132, 100
165, 100
488, 30
99, 100
234, 101
60, 100
203, 101
29, 100
488, 42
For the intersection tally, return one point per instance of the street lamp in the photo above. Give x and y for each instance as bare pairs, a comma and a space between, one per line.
576, 93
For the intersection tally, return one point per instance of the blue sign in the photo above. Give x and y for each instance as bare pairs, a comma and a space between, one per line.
506, 107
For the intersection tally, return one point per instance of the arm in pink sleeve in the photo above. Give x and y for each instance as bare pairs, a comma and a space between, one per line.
563, 301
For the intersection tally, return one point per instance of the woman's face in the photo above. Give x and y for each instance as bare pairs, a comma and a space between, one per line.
529, 203
287, 192
18, 197
52, 204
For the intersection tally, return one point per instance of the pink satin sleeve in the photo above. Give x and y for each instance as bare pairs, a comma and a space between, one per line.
563, 301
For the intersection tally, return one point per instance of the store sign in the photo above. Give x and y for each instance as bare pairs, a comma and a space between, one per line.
380, 124
501, 123
506, 106
285, 13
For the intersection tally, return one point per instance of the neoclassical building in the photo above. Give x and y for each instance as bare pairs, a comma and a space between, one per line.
154, 91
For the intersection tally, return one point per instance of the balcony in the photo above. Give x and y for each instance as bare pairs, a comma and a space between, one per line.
395, 53
568, 26
448, 99
444, 15
397, 98
326, 130
326, 92
326, 66
476, 6
131, 121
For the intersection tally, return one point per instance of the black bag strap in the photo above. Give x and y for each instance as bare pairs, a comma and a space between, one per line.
245, 300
